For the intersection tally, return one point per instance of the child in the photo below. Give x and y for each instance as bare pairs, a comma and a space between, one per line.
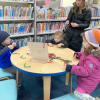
88, 69
5, 52
58, 40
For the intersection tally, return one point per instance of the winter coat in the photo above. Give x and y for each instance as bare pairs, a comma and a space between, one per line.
53, 42
72, 35
87, 71
5, 54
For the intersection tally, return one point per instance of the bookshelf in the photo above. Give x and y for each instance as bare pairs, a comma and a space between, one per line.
53, 20
95, 18
17, 1
17, 19
26, 7
58, 20
54, 5
44, 33
21, 35
33, 20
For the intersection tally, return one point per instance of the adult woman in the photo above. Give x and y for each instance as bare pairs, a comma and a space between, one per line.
78, 19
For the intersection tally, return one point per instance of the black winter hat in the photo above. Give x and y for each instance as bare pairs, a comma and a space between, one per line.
3, 36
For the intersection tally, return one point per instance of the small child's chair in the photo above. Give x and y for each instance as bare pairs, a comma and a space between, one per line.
4, 75
8, 90
69, 96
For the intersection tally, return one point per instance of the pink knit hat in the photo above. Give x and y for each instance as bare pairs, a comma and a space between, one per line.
93, 37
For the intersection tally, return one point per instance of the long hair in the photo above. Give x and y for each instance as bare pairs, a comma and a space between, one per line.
83, 6
89, 49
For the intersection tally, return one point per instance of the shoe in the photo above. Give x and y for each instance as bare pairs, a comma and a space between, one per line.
19, 85
96, 98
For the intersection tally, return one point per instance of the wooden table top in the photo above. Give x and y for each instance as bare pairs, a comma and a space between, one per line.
21, 62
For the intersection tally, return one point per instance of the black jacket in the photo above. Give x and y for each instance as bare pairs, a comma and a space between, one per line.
53, 42
72, 35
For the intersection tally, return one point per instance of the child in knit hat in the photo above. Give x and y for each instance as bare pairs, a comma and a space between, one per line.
5, 52
88, 69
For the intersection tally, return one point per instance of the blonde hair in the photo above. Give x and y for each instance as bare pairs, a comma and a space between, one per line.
83, 6
59, 33
90, 48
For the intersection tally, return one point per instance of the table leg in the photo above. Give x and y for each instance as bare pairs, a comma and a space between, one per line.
17, 82
42, 77
67, 79
46, 87
70, 82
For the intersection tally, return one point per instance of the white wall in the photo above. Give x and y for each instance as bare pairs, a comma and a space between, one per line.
66, 3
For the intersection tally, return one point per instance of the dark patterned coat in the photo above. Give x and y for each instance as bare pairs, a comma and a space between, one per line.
72, 35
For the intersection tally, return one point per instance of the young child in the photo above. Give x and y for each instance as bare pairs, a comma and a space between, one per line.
88, 69
57, 40
5, 52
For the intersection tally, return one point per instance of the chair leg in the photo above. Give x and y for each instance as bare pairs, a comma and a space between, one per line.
5, 78
17, 82
70, 83
67, 79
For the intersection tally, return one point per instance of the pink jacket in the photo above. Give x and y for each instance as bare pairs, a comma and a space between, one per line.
88, 72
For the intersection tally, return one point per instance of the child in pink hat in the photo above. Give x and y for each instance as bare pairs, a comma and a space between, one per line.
88, 69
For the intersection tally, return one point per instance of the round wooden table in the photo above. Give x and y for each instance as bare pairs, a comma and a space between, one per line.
20, 60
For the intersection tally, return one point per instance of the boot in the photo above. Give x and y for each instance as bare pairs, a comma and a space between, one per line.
96, 98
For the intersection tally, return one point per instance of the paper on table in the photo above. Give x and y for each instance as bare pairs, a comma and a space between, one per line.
39, 52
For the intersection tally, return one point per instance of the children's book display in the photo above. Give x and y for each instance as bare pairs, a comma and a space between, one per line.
22, 41
49, 26
11, 12
19, 0
50, 13
16, 28
43, 38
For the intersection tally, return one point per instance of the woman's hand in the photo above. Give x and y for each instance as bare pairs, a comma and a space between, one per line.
50, 44
74, 24
67, 22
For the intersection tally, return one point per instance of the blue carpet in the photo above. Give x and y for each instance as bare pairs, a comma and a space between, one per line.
32, 87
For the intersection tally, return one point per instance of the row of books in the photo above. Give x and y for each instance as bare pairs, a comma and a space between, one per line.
10, 12
49, 26
22, 41
50, 13
95, 11
16, 28
18, 0
95, 24
43, 38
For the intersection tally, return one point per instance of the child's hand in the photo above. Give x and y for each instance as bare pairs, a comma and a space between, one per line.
65, 66
60, 45
11, 47
76, 56
14, 44
50, 44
